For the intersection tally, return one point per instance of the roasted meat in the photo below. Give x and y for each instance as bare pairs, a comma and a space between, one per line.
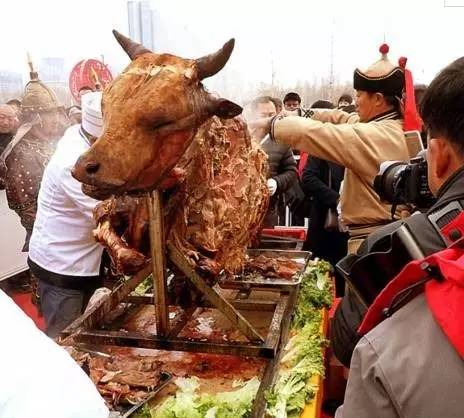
121, 378
221, 204
122, 225
280, 267
210, 217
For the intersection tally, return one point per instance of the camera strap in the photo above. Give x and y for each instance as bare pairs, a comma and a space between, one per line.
442, 218
444, 267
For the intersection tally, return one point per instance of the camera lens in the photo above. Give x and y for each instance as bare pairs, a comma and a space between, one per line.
386, 181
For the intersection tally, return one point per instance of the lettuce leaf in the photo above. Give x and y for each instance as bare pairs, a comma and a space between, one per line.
187, 403
302, 357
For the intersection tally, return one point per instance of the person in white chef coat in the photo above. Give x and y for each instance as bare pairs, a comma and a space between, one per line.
63, 254
38, 378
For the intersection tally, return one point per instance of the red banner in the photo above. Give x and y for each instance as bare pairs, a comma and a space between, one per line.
88, 73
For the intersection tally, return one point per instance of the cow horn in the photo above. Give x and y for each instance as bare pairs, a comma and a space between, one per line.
133, 49
213, 63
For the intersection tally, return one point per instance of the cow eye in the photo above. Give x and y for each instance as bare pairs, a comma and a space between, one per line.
160, 123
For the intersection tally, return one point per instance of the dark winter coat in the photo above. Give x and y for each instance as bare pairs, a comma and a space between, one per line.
283, 169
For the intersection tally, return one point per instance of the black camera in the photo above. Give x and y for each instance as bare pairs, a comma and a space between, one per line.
405, 183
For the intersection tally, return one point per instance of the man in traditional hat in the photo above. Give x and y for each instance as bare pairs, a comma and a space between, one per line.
63, 254
358, 142
24, 159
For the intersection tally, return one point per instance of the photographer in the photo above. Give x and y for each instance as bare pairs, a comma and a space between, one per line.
409, 362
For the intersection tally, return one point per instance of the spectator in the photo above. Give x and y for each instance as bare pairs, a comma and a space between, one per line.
282, 164
8, 125
318, 104
344, 101
419, 92
278, 104
16, 105
321, 181
349, 109
292, 101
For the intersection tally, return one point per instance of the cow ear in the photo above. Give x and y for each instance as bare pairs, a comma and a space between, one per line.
225, 108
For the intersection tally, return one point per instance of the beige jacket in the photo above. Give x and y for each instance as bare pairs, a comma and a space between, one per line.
339, 137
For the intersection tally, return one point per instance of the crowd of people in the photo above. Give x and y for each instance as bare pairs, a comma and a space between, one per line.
322, 163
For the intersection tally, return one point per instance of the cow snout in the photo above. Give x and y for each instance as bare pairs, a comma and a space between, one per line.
92, 167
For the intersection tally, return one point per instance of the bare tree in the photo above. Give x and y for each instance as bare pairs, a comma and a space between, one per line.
310, 91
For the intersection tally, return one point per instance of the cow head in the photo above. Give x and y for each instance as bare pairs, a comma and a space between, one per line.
151, 113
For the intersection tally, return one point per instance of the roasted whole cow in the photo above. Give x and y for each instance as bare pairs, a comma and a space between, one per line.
211, 216
151, 112
159, 118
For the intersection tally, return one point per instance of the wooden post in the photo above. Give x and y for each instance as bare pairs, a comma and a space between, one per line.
234, 316
158, 259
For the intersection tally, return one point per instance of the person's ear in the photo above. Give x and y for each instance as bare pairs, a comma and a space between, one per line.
379, 99
441, 152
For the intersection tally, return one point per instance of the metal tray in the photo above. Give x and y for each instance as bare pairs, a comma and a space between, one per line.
255, 281
278, 243
165, 379
126, 411
123, 412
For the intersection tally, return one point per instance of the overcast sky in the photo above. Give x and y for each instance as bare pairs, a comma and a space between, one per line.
292, 37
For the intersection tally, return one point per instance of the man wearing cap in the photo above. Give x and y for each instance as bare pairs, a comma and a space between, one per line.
63, 254
359, 143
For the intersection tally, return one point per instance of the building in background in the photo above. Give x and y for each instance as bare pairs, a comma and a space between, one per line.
52, 73
51, 70
141, 22
11, 85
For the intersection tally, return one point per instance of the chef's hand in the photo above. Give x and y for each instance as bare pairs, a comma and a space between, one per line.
272, 186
